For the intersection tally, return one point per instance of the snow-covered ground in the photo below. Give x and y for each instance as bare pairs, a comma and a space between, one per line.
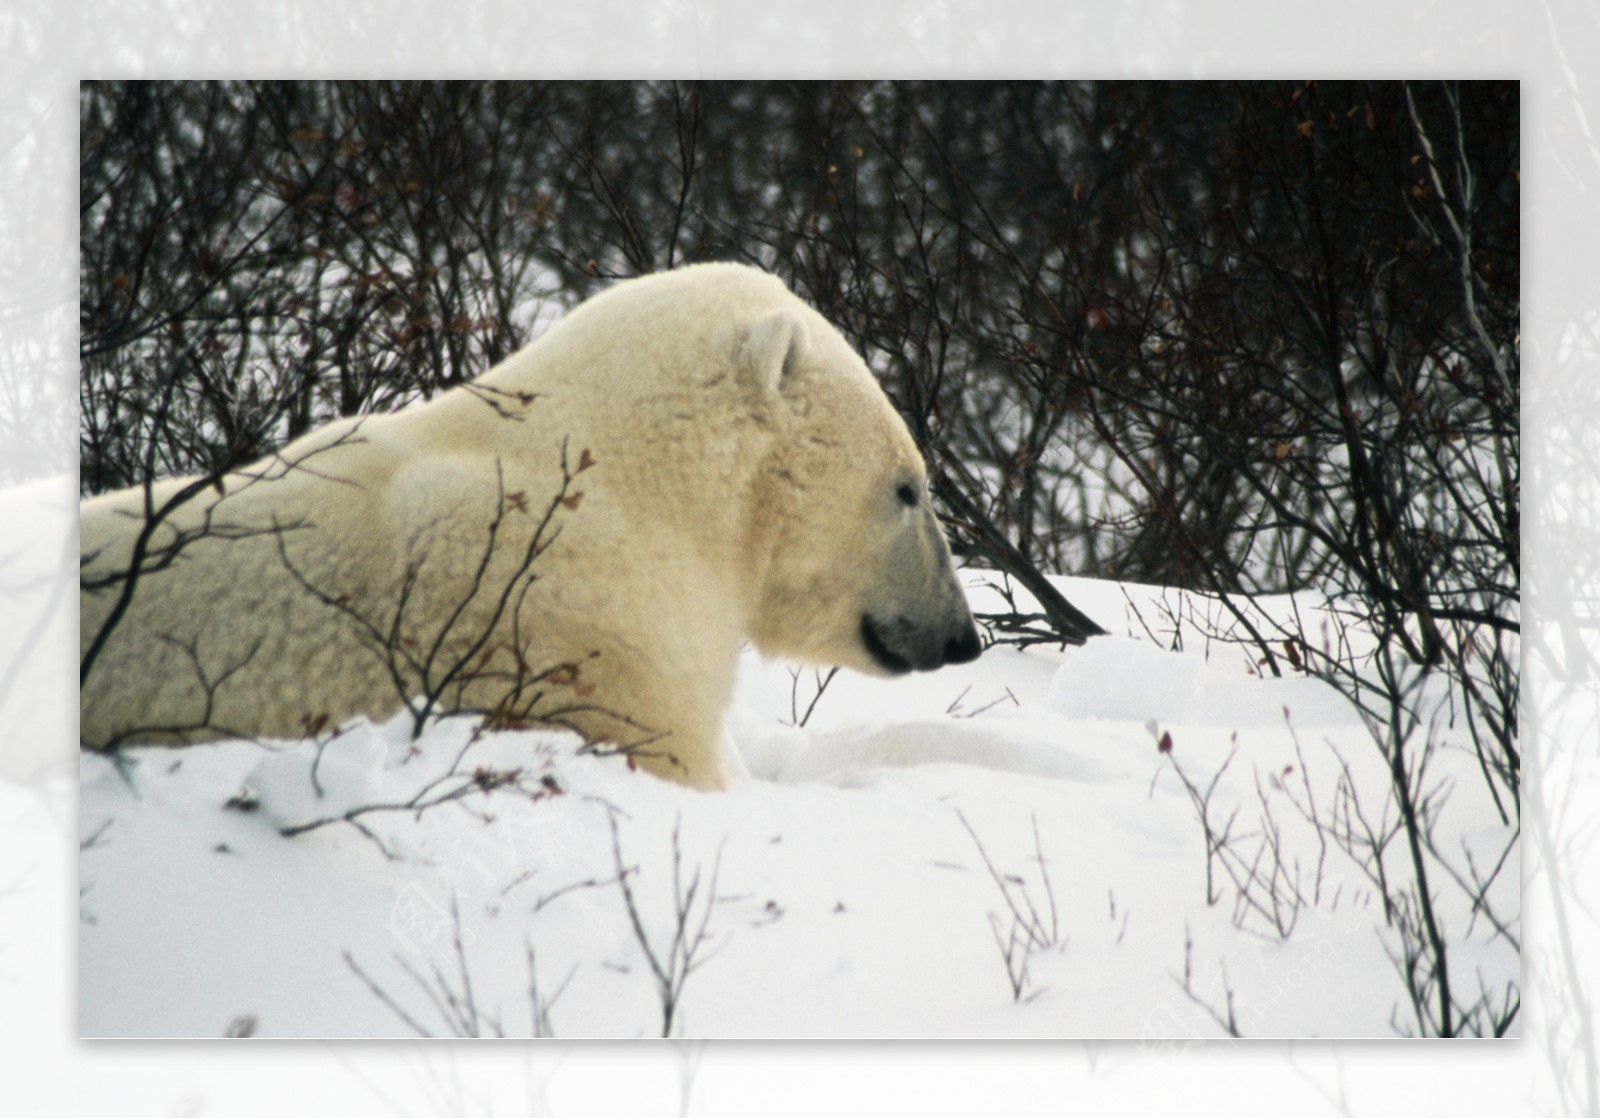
1010, 848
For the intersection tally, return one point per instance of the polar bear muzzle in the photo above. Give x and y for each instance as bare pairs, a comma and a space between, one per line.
899, 645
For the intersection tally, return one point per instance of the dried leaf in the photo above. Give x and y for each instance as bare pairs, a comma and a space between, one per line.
564, 674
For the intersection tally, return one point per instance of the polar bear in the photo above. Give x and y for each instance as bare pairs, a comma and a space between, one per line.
584, 536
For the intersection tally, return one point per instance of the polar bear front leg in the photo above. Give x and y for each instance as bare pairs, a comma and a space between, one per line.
685, 743
662, 718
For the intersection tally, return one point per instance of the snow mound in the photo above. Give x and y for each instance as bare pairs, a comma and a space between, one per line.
1134, 681
1007, 848
1038, 747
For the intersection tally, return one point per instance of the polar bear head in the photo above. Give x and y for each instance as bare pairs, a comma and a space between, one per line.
858, 572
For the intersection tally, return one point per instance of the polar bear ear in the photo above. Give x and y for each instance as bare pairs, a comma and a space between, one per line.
772, 347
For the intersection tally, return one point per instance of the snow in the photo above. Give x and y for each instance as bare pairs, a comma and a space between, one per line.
867, 879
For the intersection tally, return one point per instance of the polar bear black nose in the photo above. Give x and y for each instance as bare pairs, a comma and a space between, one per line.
900, 645
966, 647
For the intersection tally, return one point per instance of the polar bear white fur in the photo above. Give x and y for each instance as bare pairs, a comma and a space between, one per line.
716, 465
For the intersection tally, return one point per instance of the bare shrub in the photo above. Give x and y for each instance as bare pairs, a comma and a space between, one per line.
689, 942
449, 994
1030, 924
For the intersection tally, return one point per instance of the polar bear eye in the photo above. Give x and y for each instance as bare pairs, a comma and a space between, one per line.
907, 493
